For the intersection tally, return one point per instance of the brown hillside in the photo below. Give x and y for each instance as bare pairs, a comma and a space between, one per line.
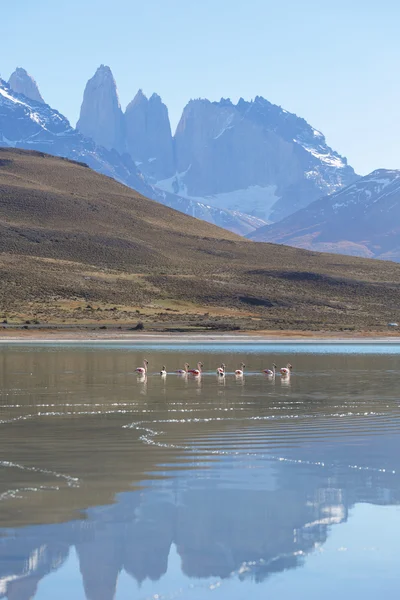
71, 238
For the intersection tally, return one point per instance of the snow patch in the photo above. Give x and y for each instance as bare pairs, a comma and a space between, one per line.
6, 95
327, 158
227, 125
317, 133
255, 200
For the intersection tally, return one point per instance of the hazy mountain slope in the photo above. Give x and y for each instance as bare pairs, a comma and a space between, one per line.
361, 220
69, 236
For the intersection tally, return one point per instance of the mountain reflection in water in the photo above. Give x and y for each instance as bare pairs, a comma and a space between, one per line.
242, 479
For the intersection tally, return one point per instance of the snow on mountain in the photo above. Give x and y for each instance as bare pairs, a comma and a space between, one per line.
361, 220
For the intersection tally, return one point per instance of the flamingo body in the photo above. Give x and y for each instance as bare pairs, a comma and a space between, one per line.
142, 370
197, 371
163, 371
240, 372
269, 371
285, 371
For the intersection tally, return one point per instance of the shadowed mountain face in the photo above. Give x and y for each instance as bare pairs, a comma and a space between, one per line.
361, 220
253, 156
69, 234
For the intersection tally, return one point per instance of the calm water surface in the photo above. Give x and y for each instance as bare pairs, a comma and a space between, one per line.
112, 486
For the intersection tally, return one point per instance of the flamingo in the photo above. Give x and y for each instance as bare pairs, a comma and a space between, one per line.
269, 372
163, 371
240, 372
143, 370
183, 371
285, 371
221, 370
197, 371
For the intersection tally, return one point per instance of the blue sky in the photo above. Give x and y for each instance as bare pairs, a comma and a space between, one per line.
334, 63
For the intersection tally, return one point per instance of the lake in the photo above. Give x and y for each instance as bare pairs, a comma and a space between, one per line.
119, 486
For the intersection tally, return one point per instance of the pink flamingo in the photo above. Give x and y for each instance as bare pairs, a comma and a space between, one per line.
197, 371
240, 372
143, 370
221, 370
285, 371
269, 372
183, 371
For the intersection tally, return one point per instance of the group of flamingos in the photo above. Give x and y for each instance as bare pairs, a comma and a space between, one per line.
221, 371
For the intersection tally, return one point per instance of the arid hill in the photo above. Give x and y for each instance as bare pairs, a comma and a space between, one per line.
76, 247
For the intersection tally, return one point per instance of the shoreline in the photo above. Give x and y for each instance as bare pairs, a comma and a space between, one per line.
77, 336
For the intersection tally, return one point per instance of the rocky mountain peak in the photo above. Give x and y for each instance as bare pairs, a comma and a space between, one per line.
139, 99
155, 98
148, 136
22, 83
101, 116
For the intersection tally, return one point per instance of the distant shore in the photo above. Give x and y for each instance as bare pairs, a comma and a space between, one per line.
76, 335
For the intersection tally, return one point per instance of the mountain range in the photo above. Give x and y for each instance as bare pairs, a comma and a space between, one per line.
361, 220
238, 166
252, 157
252, 167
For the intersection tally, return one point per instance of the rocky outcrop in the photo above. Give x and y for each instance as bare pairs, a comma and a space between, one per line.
148, 136
360, 220
22, 83
253, 157
101, 116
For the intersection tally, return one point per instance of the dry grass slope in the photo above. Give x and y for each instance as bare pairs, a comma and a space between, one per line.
77, 247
